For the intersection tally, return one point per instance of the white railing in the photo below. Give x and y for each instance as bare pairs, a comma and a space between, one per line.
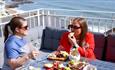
98, 21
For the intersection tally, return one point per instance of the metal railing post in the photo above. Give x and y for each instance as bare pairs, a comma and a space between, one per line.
49, 18
99, 26
38, 16
43, 20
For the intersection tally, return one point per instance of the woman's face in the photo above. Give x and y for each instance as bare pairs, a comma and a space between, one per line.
76, 29
23, 30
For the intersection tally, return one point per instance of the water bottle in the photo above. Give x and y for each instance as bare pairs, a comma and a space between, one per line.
74, 54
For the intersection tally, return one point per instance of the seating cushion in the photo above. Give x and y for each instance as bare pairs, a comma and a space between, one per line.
51, 37
99, 45
110, 52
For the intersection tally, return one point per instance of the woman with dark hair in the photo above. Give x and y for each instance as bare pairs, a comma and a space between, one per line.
17, 52
78, 37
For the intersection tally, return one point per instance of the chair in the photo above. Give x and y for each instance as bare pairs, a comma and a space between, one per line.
99, 45
51, 37
110, 51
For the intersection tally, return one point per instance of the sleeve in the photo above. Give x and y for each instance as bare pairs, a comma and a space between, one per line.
11, 50
88, 52
64, 43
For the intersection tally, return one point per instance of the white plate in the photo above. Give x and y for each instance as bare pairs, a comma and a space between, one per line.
89, 67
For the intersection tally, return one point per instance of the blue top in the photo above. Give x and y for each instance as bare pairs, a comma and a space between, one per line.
14, 48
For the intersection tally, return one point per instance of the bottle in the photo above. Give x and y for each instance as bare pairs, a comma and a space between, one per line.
73, 51
74, 54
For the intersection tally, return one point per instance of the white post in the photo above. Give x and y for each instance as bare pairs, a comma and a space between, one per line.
49, 18
92, 26
1, 30
34, 20
54, 19
105, 27
112, 25
65, 22
38, 15
43, 13
29, 19
59, 23
99, 26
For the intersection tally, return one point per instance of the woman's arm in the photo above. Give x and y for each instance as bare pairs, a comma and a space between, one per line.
14, 63
64, 42
61, 48
88, 51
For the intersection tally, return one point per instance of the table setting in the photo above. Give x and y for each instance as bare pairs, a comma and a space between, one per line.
60, 60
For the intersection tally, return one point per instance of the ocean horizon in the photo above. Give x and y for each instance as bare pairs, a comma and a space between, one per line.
96, 5
90, 5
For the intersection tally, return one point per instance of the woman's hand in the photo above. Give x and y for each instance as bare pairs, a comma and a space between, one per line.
60, 48
72, 39
33, 54
56, 52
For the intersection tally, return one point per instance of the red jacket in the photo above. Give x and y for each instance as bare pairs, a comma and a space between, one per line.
89, 38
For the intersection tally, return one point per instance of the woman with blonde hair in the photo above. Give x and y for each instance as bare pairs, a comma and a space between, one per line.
78, 37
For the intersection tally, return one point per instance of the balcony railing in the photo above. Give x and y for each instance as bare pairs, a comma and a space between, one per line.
98, 21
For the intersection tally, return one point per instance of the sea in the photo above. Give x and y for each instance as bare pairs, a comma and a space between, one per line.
97, 5
90, 5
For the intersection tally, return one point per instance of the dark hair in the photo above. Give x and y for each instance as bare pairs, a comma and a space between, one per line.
84, 28
14, 22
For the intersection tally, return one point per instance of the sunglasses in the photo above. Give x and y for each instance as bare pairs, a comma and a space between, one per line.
73, 26
25, 27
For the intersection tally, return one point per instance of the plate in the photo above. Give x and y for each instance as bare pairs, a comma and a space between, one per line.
54, 66
60, 56
89, 67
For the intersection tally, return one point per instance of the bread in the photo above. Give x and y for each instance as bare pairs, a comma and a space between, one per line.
49, 65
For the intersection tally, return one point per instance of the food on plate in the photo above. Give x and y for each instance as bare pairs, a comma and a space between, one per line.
48, 65
71, 62
76, 65
59, 55
71, 65
56, 65
67, 68
62, 54
52, 55
61, 65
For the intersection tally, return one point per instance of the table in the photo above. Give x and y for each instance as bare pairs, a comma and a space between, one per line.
40, 61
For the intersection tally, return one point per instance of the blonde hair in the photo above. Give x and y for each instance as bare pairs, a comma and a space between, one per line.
84, 29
